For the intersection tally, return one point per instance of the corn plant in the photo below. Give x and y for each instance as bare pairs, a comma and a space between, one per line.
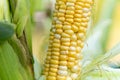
15, 40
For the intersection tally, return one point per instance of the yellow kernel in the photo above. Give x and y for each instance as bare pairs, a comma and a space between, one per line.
61, 14
56, 45
56, 7
55, 49
63, 68
52, 74
77, 20
69, 16
66, 27
55, 57
79, 42
46, 69
63, 57
51, 78
77, 15
85, 19
70, 20
77, 7
53, 66
51, 33
80, 3
82, 45
89, 1
79, 11
54, 14
82, 29
75, 68
70, 64
62, 6
72, 54
72, 48
75, 28
67, 23
51, 37
61, 19
79, 56
56, 53
70, 8
64, 35
73, 37
73, 43
65, 39
58, 26
70, 32
62, 10
47, 65
84, 24
56, 40
64, 47
77, 23
54, 61
87, 5
78, 49
62, 72
80, 35
72, 1
63, 52
59, 31
70, 4
71, 59
53, 70
61, 77
69, 12
63, 63
66, 43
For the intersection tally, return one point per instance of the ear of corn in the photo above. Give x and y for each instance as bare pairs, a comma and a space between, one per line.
67, 36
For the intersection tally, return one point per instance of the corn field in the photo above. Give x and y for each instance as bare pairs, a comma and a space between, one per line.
59, 40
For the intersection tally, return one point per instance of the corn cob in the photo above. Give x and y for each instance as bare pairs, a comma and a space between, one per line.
67, 35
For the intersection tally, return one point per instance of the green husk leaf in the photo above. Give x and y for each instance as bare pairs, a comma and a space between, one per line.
21, 14
96, 41
10, 67
104, 73
100, 60
4, 11
6, 31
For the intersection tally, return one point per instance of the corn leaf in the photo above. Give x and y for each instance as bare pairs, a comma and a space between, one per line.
10, 67
91, 66
6, 31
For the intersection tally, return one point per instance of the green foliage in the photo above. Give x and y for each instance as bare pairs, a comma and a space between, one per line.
10, 67
6, 31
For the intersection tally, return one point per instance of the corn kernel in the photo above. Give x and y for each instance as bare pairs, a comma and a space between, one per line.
70, 32
54, 61
52, 74
63, 57
51, 78
61, 77
53, 70
63, 63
